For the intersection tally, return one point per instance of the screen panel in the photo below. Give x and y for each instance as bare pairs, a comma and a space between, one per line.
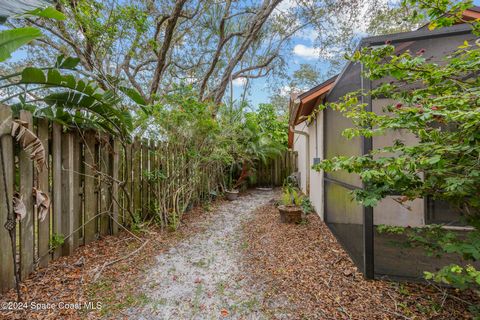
344, 217
391, 258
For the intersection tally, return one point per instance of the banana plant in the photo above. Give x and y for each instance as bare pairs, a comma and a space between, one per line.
11, 40
63, 96
56, 93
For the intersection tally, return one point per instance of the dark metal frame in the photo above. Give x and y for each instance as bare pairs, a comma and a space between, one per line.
367, 143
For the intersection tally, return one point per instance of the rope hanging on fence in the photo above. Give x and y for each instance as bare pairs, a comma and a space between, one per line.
11, 224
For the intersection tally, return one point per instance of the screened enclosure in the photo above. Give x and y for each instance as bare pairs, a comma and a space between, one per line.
378, 255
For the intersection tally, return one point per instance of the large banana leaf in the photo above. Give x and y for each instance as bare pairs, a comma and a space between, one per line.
92, 111
11, 40
80, 101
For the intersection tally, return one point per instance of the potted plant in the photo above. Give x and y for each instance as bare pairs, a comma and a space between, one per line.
231, 192
291, 207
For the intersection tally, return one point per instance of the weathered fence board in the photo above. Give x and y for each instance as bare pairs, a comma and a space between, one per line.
7, 279
25, 192
43, 185
128, 203
152, 156
57, 185
77, 190
105, 198
275, 171
68, 193
90, 192
114, 190
137, 177
144, 170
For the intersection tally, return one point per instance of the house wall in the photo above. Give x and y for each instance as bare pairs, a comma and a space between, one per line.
299, 145
315, 150
388, 211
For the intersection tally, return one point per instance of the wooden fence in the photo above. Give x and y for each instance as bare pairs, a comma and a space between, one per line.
275, 171
96, 185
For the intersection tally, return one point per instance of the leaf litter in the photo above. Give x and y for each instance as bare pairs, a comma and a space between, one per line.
305, 274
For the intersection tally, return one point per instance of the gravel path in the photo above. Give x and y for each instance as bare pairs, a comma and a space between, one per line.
200, 277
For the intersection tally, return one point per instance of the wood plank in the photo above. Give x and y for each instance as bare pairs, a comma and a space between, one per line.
145, 171
137, 178
57, 183
7, 278
121, 177
115, 193
91, 194
161, 184
27, 245
152, 156
68, 193
77, 190
43, 185
129, 185
105, 198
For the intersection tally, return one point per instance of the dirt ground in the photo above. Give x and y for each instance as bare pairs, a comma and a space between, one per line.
200, 277
228, 260
305, 274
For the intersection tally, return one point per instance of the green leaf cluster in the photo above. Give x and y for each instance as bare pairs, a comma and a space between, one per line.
438, 103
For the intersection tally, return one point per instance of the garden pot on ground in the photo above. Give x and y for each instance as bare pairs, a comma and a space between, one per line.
231, 194
290, 214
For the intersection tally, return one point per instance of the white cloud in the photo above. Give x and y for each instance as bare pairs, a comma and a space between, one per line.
310, 53
239, 82
306, 52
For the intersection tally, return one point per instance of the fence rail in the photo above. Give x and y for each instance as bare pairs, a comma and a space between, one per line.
95, 185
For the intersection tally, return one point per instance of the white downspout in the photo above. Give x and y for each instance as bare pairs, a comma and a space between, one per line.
307, 157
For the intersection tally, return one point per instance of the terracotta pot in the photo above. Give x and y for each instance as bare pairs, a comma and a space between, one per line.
231, 195
290, 214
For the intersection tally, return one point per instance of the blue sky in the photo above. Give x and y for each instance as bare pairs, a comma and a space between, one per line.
301, 51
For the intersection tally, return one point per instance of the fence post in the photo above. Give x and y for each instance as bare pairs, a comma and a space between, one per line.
57, 182
105, 199
43, 185
77, 190
137, 178
153, 168
7, 278
25, 188
90, 193
68, 195
129, 184
145, 169
115, 193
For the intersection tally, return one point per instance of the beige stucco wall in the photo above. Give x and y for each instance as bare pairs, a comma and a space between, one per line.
315, 139
299, 143
316, 151
388, 210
